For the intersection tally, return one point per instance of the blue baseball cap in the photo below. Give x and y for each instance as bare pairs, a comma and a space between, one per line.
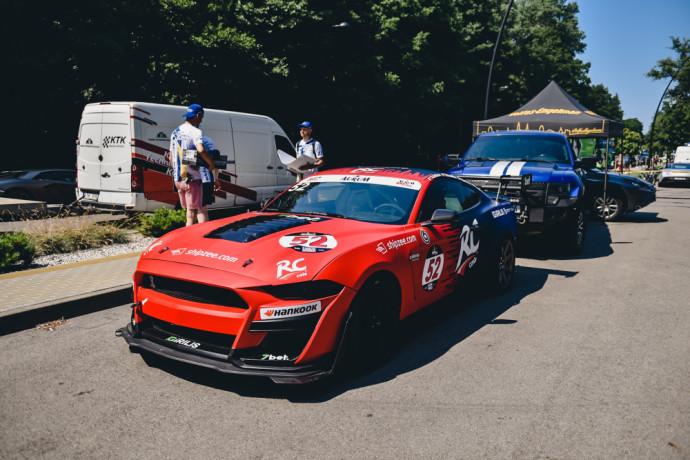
305, 124
193, 110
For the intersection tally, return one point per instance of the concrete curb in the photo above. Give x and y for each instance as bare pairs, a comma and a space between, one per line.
30, 316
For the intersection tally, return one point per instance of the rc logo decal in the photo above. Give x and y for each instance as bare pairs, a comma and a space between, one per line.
309, 242
295, 267
468, 249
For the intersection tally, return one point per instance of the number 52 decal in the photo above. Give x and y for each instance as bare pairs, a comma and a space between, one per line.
309, 242
433, 266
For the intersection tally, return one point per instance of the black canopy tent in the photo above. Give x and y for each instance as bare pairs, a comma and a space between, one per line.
553, 109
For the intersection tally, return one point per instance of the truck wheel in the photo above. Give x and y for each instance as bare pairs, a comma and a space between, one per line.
612, 210
574, 233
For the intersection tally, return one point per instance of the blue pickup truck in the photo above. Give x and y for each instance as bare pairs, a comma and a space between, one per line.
547, 191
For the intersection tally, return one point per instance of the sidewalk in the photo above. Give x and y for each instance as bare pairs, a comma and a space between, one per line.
32, 297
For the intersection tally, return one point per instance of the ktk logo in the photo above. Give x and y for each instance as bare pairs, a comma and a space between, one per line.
296, 266
113, 140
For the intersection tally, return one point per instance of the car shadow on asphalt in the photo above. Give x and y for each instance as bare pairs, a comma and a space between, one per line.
548, 246
423, 338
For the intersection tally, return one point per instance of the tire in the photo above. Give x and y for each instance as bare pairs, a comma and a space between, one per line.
574, 232
500, 273
370, 336
18, 194
613, 209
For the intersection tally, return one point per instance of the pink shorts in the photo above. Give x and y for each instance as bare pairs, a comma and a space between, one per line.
191, 194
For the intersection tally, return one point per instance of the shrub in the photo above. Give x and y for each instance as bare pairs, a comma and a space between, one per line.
162, 221
16, 247
80, 237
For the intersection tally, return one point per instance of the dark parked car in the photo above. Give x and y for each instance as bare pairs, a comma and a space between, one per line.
49, 185
623, 193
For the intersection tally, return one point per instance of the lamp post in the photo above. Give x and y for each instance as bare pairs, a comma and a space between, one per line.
493, 58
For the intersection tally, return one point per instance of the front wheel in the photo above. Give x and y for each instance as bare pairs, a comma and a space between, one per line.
373, 322
609, 211
574, 231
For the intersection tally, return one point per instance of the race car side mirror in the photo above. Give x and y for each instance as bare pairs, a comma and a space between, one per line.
441, 216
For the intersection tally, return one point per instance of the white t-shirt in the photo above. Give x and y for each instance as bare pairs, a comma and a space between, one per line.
185, 137
311, 148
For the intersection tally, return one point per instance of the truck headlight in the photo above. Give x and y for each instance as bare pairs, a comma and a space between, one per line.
558, 190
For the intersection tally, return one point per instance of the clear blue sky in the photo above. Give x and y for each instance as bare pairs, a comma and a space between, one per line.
625, 39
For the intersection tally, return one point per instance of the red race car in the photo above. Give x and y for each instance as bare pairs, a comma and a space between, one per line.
318, 280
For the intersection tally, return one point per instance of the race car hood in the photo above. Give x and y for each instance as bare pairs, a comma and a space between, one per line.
540, 171
271, 248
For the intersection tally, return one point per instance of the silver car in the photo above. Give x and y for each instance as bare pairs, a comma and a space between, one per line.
675, 173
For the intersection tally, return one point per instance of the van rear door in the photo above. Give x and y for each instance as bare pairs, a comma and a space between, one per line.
105, 153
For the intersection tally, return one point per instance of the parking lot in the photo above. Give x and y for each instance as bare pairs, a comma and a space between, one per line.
585, 357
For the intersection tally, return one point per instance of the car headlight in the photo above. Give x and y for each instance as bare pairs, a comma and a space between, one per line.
633, 183
558, 190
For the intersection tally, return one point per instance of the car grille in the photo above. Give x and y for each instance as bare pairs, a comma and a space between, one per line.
210, 342
536, 191
194, 292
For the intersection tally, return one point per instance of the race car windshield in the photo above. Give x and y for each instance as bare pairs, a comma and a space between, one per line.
378, 203
518, 148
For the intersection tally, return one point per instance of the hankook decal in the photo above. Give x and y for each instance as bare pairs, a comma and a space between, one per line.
289, 312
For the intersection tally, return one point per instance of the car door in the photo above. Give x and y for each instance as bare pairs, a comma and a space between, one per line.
449, 249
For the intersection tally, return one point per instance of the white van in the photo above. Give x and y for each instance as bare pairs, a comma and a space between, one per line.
122, 156
682, 154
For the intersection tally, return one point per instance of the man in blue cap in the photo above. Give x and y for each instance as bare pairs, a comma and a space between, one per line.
188, 136
310, 147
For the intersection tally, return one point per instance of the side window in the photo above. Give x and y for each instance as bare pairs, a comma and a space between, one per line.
282, 143
467, 195
447, 194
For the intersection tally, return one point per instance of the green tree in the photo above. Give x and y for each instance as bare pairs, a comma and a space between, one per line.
630, 143
672, 127
633, 124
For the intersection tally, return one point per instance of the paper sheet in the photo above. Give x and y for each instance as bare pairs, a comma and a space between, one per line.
293, 163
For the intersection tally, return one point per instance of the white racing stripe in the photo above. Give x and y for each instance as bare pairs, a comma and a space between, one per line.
515, 168
498, 168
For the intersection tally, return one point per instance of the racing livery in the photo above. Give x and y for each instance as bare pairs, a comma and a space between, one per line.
553, 199
317, 280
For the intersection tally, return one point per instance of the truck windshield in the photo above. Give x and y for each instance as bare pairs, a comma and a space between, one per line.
519, 148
